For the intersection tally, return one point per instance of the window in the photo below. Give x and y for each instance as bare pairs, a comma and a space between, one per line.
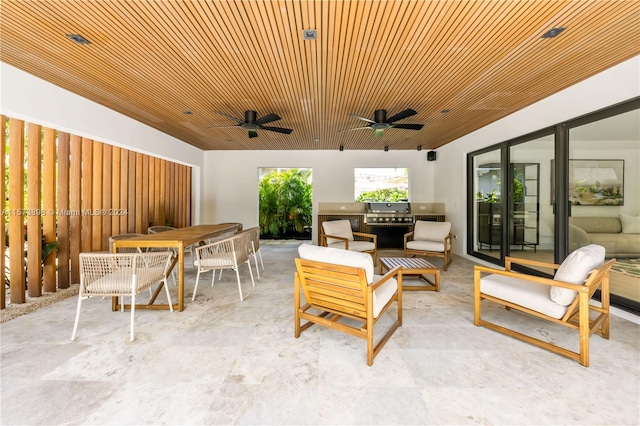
381, 184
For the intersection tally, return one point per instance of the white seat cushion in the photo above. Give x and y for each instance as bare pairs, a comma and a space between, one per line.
149, 276
220, 261
338, 228
383, 294
431, 231
426, 246
338, 257
355, 245
576, 269
522, 292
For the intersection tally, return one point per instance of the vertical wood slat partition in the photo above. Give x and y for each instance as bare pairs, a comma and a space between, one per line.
78, 192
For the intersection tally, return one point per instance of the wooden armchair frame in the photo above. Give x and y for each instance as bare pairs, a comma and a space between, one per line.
341, 291
447, 254
345, 240
576, 317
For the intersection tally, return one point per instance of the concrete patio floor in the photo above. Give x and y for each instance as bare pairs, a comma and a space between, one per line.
222, 361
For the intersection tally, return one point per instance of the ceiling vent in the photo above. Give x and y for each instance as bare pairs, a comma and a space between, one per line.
78, 39
553, 32
310, 34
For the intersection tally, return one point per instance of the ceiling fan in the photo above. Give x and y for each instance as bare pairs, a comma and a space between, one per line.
381, 122
252, 125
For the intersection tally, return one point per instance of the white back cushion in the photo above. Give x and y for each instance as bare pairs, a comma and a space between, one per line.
431, 231
335, 256
576, 269
339, 228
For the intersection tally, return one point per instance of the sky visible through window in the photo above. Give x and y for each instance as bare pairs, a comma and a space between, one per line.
373, 179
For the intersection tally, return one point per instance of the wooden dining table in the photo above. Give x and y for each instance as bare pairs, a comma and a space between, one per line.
179, 239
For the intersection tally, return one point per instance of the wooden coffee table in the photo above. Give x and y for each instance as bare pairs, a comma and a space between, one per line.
413, 266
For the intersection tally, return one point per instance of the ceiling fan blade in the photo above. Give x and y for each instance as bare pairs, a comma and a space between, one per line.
229, 116
253, 134
357, 128
401, 115
408, 126
223, 127
379, 133
267, 119
277, 129
361, 118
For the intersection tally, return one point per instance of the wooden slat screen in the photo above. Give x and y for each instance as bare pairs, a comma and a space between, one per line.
77, 192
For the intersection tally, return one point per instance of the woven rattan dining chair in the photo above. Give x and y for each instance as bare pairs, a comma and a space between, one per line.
120, 275
163, 228
224, 254
254, 247
124, 237
128, 249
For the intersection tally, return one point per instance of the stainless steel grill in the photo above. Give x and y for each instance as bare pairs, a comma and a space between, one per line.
388, 214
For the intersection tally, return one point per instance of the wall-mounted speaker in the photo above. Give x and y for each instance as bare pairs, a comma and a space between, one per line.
431, 156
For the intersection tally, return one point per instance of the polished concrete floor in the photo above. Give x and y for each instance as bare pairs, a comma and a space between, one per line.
222, 361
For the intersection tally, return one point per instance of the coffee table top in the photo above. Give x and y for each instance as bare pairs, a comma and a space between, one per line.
407, 263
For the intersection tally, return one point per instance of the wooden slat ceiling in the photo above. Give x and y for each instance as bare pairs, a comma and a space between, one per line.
154, 60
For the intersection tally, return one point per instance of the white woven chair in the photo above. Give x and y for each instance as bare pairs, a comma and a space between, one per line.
120, 275
221, 255
163, 228
254, 247
129, 249
124, 237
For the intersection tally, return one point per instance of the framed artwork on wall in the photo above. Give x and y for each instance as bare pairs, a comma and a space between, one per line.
594, 182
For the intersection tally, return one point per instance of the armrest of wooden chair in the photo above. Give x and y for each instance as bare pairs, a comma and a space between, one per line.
373, 237
342, 239
526, 293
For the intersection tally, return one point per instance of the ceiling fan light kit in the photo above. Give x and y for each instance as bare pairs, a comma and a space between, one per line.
380, 123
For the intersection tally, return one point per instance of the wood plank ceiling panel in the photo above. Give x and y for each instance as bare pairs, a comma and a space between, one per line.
173, 64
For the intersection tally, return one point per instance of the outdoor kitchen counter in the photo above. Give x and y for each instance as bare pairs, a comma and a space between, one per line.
390, 235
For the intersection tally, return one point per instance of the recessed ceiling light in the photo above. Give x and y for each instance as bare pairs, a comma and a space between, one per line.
187, 112
553, 32
444, 111
310, 34
77, 38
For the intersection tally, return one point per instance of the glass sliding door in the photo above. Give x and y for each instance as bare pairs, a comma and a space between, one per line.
486, 205
543, 195
531, 215
604, 192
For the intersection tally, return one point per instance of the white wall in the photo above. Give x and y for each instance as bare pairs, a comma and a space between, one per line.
34, 100
231, 178
608, 88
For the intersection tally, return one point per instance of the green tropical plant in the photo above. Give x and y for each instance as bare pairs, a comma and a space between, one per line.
385, 194
285, 202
